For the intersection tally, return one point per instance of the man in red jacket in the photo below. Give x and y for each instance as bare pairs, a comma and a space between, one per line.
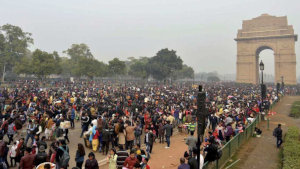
27, 162
130, 161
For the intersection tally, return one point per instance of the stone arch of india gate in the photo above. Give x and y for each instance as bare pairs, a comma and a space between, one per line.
266, 32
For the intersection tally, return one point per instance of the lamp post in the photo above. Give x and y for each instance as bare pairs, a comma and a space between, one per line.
262, 67
201, 116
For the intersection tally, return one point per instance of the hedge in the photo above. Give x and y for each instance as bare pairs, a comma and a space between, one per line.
295, 110
291, 149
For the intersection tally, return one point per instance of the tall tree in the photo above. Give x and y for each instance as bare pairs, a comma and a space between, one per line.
117, 67
80, 54
79, 51
13, 44
43, 63
164, 64
24, 66
139, 67
185, 73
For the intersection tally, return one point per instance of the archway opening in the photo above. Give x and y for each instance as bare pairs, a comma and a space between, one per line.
266, 54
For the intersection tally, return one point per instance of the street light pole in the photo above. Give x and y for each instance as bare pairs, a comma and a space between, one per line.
263, 88
201, 115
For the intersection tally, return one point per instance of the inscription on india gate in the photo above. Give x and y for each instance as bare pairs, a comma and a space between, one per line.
266, 32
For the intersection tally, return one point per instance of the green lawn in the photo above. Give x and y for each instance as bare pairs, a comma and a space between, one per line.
295, 110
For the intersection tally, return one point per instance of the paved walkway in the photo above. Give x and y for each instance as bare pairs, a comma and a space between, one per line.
261, 153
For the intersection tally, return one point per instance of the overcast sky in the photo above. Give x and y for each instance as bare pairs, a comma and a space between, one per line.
201, 32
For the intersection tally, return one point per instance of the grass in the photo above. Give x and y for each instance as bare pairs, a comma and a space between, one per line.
295, 109
291, 149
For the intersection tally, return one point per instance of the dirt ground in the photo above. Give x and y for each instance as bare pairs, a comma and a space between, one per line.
261, 153
161, 157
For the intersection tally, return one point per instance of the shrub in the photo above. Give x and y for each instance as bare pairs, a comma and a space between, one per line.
295, 109
291, 149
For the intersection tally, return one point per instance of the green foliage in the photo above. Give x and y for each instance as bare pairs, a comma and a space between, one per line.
164, 64
24, 66
13, 45
43, 63
138, 67
117, 67
83, 63
291, 149
213, 79
78, 52
185, 73
295, 110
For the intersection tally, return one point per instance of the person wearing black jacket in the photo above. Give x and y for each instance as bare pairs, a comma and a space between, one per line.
42, 142
212, 150
149, 138
41, 156
105, 140
193, 162
278, 134
85, 119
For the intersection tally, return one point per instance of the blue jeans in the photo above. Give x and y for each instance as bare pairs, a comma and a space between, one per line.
168, 140
27, 138
84, 129
278, 141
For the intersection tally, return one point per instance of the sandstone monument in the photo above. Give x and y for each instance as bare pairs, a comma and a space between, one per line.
266, 32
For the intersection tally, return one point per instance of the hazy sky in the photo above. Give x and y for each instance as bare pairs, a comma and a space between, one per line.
201, 32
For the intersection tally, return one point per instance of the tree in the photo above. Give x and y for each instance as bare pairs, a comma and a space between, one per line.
138, 67
24, 66
164, 64
117, 67
80, 58
184, 73
79, 51
13, 45
213, 79
43, 63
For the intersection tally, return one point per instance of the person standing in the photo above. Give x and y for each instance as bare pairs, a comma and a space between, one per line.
91, 162
41, 156
130, 161
85, 119
130, 135
149, 138
30, 132
11, 131
62, 155
278, 134
161, 132
168, 128
80, 153
13, 154
27, 161
105, 140
193, 162
20, 150
122, 156
112, 158
191, 141
72, 117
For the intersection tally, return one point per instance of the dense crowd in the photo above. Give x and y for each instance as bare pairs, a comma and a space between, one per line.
117, 119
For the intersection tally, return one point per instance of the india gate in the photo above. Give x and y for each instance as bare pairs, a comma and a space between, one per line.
266, 32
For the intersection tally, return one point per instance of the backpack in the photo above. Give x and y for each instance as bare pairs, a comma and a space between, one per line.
219, 154
65, 158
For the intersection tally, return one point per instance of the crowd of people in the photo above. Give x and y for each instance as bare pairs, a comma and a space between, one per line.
117, 119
